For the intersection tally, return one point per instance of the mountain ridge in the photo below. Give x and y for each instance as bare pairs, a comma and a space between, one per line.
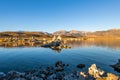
63, 33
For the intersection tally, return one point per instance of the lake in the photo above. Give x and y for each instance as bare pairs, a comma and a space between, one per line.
102, 53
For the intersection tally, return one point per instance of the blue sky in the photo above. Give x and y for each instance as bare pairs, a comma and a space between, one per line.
53, 15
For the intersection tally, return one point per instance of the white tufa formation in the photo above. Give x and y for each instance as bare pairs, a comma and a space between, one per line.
83, 74
94, 71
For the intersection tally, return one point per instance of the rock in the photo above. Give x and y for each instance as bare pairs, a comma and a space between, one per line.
43, 75
59, 68
59, 76
78, 74
116, 66
19, 79
54, 44
59, 63
94, 71
83, 74
49, 68
45, 72
58, 73
67, 64
14, 74
2, 74
36, 78
52, 76
110, 76
71, 76
80, 66
28, 76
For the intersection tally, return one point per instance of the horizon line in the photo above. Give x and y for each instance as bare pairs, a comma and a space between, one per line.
56, 30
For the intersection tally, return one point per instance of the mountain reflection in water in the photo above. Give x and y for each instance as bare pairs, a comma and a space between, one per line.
114, 44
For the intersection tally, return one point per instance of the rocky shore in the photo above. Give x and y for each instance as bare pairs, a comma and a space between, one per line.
58, 72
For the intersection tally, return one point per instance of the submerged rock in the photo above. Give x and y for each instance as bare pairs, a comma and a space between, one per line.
58, 72
13, 75
57, 69
116, 66
59, 66
52, 76
2, 74
59, 63
49, 68
70, 76
81, 66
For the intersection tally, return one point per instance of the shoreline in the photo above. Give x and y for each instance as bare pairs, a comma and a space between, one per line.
58, 72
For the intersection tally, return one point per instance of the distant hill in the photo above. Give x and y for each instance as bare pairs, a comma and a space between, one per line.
72, 33
111, 32
25, 34
63, 33
75, 33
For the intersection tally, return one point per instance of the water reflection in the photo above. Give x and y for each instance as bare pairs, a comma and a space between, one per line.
56, 50
114, 44
31, 44
82, 52
110, 43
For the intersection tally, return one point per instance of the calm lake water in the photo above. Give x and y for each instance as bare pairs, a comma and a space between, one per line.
102, 53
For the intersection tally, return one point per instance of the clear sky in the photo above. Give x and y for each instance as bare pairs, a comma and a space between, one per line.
53, 15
